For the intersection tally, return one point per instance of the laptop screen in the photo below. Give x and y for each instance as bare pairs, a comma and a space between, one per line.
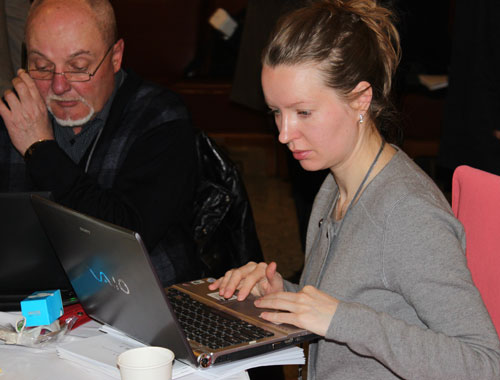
27, 261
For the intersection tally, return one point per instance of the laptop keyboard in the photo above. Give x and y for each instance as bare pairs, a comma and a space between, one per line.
211, 327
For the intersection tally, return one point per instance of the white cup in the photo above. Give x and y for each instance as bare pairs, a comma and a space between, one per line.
146, 363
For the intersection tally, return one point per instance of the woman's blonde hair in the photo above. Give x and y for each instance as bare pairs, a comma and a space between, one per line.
351, 41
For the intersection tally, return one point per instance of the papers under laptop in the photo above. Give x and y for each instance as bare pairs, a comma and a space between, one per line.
100, 353
27, 260
111, 273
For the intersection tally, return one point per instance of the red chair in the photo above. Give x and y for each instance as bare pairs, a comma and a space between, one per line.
476, 203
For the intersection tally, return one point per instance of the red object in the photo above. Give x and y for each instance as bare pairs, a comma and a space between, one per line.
75, 310
476, 203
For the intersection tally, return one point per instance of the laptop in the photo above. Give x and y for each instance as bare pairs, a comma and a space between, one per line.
112, 275
27, 261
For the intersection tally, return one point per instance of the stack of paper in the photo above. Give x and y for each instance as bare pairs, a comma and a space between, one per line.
100, 353
287, 356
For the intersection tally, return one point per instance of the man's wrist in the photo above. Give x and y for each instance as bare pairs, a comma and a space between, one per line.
29, 152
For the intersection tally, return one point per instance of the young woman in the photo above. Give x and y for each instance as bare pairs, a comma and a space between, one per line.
385, 280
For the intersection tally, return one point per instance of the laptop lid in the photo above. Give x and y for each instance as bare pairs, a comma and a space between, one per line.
27, 260
116, 284
113, 277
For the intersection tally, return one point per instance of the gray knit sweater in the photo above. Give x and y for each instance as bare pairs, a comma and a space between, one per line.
408, 308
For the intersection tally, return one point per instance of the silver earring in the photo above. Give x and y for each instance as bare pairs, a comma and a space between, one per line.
361, 118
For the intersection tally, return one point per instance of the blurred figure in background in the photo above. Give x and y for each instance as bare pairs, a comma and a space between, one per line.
13, 15
260, 18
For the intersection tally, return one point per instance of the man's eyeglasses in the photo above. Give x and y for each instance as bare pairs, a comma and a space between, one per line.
71, 76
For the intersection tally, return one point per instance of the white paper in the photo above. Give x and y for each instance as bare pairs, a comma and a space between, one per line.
26, 363
101, 352
286, 356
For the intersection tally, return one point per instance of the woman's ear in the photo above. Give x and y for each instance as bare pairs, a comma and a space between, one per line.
362, 97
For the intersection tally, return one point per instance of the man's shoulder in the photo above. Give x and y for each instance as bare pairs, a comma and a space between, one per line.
139, 99
144, 92
140, 107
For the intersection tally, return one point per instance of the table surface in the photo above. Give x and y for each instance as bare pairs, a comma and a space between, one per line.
25, 363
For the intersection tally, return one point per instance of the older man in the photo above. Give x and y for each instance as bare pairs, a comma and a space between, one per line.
103, 141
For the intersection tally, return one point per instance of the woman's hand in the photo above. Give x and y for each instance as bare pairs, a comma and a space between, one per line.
258, 279
310, 309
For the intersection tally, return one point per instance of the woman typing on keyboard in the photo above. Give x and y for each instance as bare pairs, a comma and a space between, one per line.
385, 280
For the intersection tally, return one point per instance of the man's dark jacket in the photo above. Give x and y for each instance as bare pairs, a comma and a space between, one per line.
141, 174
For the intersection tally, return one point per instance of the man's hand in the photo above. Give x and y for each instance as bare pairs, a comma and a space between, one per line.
26, 116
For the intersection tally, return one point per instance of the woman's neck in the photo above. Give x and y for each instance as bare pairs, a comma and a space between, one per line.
350, 177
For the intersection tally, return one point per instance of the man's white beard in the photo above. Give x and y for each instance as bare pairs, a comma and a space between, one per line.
70, 122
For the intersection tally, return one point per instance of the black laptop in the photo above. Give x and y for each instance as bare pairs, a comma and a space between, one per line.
112, 275
27, 261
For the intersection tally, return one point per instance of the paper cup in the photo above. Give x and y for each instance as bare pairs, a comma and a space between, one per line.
146, 363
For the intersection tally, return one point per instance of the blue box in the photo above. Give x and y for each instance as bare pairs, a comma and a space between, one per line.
42, 308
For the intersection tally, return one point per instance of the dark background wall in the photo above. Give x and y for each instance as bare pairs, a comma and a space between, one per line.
171, 42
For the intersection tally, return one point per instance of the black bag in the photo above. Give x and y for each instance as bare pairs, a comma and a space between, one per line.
223, 226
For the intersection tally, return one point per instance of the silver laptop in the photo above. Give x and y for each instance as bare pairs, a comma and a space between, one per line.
27, 261
112, 275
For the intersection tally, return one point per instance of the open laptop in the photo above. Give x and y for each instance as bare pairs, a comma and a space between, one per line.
116, 284
27, 261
